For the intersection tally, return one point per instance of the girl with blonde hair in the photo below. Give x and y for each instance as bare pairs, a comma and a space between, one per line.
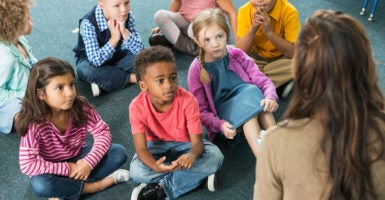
231, 91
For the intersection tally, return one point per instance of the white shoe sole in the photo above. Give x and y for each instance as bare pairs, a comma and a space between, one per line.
136, 191
212, 183
262, 133
95, 89
288, 89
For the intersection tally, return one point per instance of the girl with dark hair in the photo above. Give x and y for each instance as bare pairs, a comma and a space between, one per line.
53, 124
332, 144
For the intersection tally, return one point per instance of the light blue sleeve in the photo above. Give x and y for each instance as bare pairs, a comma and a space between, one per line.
7, 61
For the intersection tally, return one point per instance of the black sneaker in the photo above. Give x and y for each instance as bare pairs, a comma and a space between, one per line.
159, 39
135, 192
152, 191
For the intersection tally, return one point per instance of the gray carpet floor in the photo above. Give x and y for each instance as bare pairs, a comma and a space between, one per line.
52, 35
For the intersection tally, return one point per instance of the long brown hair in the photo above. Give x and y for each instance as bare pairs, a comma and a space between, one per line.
335, 78
33, 109
201, 21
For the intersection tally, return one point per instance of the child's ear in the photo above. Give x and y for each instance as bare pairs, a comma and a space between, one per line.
142, 86
40, 94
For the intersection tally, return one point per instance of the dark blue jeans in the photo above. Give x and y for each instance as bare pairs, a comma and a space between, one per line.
111, 75
50, 185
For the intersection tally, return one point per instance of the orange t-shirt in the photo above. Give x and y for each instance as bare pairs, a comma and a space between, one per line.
182, 119
284, 21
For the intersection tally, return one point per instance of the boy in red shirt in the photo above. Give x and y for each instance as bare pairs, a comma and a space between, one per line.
167, 132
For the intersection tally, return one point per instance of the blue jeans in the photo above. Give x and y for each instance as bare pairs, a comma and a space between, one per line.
111, 75
177, 183
50, 185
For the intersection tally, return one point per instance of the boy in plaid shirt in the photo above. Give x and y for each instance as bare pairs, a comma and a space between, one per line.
107, 45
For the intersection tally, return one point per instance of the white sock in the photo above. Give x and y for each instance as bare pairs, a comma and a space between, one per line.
261, 135
120, 176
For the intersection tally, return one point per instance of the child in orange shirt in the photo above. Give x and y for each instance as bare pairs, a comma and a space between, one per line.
167, 132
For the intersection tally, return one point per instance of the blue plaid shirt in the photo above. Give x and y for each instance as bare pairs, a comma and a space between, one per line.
98, 55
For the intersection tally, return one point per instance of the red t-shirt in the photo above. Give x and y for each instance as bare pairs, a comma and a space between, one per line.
176, 124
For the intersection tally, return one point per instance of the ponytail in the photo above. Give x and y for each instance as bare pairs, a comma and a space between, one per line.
204, 75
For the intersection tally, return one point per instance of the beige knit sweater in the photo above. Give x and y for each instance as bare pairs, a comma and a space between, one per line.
291, 165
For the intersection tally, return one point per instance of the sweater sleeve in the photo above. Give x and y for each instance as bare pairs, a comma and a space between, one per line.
196, 87
29, 160
102, 138
256, 77
7, 63
268, 184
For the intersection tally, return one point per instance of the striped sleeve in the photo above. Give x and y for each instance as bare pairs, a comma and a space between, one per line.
102, 138
29, 160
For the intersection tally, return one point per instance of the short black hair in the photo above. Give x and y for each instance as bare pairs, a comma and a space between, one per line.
150, 56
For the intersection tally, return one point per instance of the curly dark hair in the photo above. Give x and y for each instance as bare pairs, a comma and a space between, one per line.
14, 14
150, 56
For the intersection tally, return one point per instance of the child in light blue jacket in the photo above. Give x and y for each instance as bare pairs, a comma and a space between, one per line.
16, 59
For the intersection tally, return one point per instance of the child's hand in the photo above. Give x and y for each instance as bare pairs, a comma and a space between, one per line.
113, 26
261, 17
257, 21
227, 131
82, 170
123, 30
270, 105
72, 168
186, 161
155, 30
160, 167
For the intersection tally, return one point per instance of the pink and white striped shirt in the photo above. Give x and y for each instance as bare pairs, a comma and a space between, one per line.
44, 149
